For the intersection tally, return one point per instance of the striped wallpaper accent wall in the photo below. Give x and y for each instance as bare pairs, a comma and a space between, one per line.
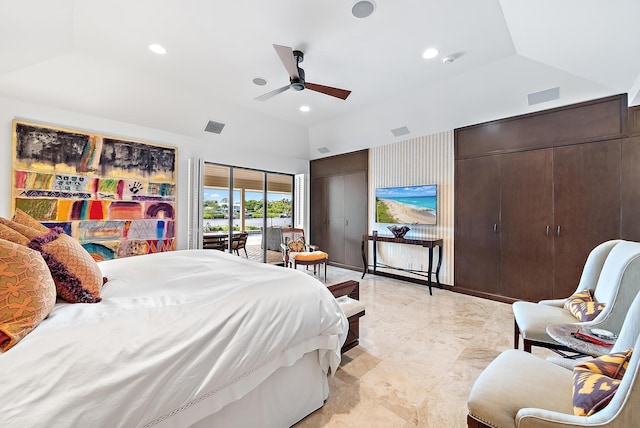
423, 160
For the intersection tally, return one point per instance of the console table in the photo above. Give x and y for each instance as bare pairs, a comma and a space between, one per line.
427, 243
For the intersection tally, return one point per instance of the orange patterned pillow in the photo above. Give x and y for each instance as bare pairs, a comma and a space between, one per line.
25, 219
27, 231
27, 292
297, 246
9, 234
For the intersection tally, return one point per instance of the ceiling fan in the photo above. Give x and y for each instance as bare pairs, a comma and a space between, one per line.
291, 60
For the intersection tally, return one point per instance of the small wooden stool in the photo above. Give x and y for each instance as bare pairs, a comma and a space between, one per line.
314, 258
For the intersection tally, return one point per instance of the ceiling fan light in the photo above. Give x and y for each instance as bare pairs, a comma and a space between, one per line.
305, 108
362, 9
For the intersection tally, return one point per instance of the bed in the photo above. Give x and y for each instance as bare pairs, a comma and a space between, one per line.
187, 338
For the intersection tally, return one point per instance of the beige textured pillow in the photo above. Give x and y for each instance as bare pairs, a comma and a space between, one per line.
27, 292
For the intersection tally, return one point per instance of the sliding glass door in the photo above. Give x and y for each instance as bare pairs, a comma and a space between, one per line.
245, 209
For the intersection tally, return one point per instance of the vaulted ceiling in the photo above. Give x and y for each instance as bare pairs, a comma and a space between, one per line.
91, 56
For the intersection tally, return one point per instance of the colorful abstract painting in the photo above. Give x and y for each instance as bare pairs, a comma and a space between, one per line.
116, 197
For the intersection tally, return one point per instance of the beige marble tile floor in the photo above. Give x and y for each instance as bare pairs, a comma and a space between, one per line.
418, 356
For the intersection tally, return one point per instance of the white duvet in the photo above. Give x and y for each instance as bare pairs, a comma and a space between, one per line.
177, 336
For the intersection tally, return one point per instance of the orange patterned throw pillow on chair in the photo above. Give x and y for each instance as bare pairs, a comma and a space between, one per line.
76, 274
596, 381
27, 292
297, 246
582, 305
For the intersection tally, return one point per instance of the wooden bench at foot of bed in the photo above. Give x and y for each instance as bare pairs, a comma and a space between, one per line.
348, 296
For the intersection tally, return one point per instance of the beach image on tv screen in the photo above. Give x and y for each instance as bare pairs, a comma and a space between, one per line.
407, 205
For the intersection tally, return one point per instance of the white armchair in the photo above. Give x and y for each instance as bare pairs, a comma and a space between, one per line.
612, 272
521, 390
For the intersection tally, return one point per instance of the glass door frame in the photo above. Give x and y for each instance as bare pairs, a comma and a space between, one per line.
231, 202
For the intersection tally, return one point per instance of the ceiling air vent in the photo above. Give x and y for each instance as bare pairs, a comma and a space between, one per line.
214, 127
543, 96
400, 131
323, 150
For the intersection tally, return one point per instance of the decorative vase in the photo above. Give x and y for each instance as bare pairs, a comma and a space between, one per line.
398, 232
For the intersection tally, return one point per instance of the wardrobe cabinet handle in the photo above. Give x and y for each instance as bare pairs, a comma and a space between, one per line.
558, 230
495, 227
548, 230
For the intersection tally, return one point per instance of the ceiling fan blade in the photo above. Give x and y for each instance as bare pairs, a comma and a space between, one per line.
273, 93
328, 90
286, 56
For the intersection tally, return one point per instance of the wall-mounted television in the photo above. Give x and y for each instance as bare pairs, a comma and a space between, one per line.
407, 204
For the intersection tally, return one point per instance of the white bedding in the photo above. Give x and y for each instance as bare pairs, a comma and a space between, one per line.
177, 336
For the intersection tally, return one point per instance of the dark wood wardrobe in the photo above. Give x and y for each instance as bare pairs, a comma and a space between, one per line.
535, 193
338, 206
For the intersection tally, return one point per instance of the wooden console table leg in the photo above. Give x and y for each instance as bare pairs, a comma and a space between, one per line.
375, 256
430, 266
439, 264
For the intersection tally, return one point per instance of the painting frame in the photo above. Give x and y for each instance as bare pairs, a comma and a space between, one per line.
116, 196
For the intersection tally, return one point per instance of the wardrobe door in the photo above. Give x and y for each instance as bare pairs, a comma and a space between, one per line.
630, 209
586, 181
526, 218
355, 217
318, 214
477, 224
335, 214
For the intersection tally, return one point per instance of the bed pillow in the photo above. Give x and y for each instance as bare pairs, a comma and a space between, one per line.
27, 292
22, 229
76, 274
596, 381
22, 217
582, 306
11, 235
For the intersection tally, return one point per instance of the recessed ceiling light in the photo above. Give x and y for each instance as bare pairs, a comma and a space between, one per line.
259, 81
362, 9
305, 108
156, 48
430, 53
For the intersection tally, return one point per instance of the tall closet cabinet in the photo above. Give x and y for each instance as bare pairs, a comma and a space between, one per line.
534, 194
338, 207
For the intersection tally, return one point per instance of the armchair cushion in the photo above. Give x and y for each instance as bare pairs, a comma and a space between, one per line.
309, 255
516, 380
582, 305
533, 320
596, 381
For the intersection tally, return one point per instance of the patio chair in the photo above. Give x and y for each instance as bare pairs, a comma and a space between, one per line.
240, 243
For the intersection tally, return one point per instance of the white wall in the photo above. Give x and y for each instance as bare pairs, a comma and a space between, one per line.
422, 160
219, 149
